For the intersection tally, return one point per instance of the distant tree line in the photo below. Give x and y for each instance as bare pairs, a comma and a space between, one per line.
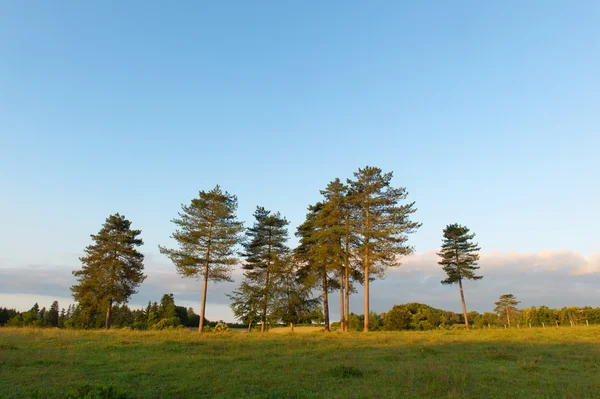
410, 316
155, 316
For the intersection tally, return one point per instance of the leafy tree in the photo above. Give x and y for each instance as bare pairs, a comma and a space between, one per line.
266, 253
52, 315
112, 268
380, 223
398, 318
459, 259
208, 232
506, 306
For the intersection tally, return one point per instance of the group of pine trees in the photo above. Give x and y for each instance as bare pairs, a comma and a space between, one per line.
350, 237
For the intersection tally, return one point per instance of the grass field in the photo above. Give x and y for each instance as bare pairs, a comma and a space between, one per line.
525, 363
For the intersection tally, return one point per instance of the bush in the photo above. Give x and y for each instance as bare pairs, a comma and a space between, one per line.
165, 324
221, 327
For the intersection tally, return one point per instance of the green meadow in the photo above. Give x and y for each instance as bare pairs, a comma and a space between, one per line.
497, 363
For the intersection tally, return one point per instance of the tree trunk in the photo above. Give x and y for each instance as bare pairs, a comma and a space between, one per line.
108, 315
203, 305
347, 280
508, 317
263, 327
205, 285
342, 312
464, 306
366, 310
250, 326
366, 282
325, 301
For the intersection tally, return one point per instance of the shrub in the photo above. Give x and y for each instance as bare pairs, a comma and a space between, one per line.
221, 327
165, 324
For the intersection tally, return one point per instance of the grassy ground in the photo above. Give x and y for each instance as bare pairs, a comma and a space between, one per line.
525, 363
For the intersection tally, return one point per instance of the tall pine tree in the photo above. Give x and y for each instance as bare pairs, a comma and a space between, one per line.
207, 234
318, 253
266, 253
112, 267
381, 224
459, 259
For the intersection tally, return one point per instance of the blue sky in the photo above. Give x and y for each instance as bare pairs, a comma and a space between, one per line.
487, 113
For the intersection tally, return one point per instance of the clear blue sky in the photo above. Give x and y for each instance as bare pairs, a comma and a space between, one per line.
488, 112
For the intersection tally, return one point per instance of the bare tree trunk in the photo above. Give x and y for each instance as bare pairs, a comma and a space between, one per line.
108, 315
347, 280
263, 327
464, 306
203, 305
205, 285
508, 317
342, 312
366, 310
347, 299
250, 326
325, 300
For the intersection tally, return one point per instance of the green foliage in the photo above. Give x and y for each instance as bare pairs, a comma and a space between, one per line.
165, 324
267, 256
207, 233
381, 224
221, 327
506, 307
459, 255
355, 322
112, 268
398, 318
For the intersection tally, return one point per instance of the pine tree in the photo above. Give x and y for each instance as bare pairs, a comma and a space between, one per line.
265, 252
506, 306
112, 267
208, 232
319, 253
167, 307
246, 303
459, 259
292, 300
337, 217
380, 223
52, 315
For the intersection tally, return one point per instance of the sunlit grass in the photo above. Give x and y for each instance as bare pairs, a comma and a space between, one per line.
527, 363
